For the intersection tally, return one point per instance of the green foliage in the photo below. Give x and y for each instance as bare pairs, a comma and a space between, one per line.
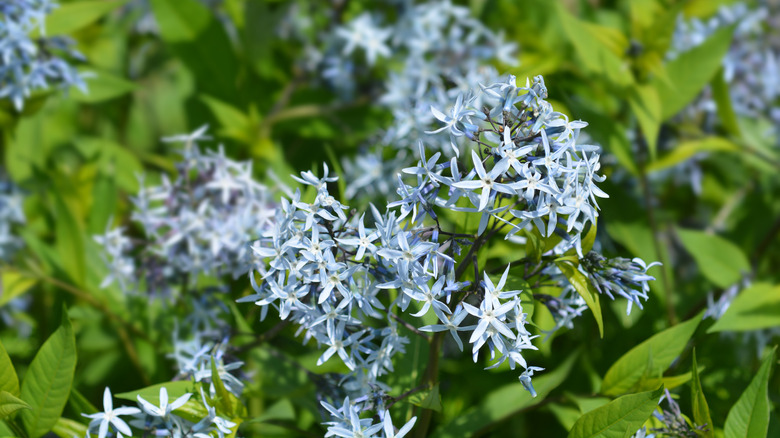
583, 287
690, 72
719, 260
648, 360
701, 411
619, 418
755, 308
749, 417
46, 385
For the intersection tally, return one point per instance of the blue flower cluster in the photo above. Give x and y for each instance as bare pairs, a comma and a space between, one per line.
338, 273
29, 63
151, 419
198, 223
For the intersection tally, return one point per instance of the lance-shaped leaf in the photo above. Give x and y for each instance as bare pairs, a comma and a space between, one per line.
626, 374
47, 383
749, 417
755, 308
701, 412
619, 418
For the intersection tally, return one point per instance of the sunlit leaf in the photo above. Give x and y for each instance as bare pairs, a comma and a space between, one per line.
664, 347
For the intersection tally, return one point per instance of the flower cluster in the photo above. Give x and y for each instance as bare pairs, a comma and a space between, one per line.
339, 273
198, 223
150, 419
417, 57
30, 63
623, 277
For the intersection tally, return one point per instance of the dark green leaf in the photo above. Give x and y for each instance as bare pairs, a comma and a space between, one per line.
47, 383
198, 39
70, 242
749, 417
504, 402
620, 418
726, 114
626, 374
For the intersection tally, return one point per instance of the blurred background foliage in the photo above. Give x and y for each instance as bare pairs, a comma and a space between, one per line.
697, 195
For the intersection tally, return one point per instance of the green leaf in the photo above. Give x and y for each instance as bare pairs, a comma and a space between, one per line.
70, 17
9, 404
13, 284
690, 72
224, 397
70, 242
104, 197
755, 308
652, 357
584, 288
101, 86
47, 383
504, 402
688, 149
590, 237
646, 106
749, 417
593, 51
8, 380
726, 114
429, 399
719, 260
701, 412
66, 428
152, 393
235, 124
534, 245
620, 418
198, 39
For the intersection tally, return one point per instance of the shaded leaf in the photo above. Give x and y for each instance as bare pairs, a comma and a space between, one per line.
504, 402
